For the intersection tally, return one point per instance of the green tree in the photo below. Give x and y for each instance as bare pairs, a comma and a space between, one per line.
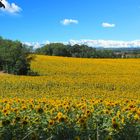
15, 57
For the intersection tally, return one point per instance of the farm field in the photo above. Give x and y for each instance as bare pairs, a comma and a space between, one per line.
73, 98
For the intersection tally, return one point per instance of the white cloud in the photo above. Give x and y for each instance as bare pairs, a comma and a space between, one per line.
92, 43
107, 43
108, 25
69, 21
36, 45
11, 7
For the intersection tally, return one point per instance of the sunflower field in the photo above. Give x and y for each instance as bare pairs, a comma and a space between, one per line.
72, 99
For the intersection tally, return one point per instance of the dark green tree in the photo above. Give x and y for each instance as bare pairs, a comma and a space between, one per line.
15, 57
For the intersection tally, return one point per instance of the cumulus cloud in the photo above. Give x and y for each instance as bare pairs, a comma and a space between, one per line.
91, 43
11, 7
108, 25
69, 21
107, 43
36, 45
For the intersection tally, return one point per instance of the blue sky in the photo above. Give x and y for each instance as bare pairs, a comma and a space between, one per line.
64, 20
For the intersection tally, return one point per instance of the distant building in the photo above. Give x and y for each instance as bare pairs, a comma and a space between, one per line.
126, 55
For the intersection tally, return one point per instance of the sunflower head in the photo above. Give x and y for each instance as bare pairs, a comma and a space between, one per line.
59, 114
62, 119
24, 122
40, 110
51, 122
17, 118
115, 125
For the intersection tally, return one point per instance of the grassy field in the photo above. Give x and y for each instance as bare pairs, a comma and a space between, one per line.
73, 98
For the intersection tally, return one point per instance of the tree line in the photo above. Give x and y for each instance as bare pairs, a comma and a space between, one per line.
81, 51
84, 51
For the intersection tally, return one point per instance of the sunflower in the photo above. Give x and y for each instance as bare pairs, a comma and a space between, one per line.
136, 117
24, 122
62, 119
24, 107
138, 112
118, 114
113, 119
40, 110
17, 118
82, 120
115, 125
51, 122
4, 111
88, 112
59, 114
15, 110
